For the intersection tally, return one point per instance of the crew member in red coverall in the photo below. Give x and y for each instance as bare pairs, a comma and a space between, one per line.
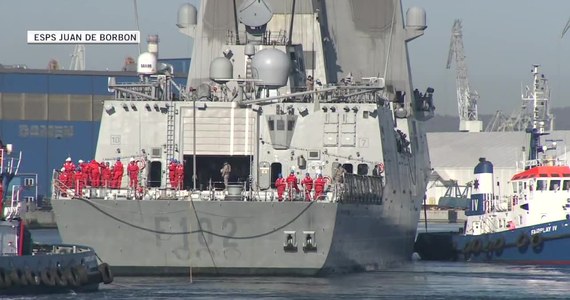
79, 182
308, 185
133, 172
105, 174
292, 184
62, 182
94, 173
69, 167
85, 170
319, 186
117, 176
280, 185
172, 173
180, 175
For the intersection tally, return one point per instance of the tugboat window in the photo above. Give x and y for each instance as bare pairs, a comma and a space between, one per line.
541, 185
554, 185
566, 185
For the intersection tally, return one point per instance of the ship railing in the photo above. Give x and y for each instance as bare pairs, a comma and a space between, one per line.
13, 210
353, 93
267, 38
49, 249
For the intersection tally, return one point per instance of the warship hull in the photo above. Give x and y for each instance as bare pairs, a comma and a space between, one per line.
234, 237
356, 128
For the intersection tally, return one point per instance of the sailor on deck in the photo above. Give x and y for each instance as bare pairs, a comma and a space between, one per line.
117, 176
280, 185
292, 184
225, 171
308, 185
133, 172
319, 186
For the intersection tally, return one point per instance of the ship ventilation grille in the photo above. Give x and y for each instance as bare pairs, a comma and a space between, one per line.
155, 152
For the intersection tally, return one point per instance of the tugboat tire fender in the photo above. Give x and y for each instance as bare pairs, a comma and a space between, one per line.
59, 277
17, 277
4, 280
522, 240
31, 277
536, 240
72, 277
476, 247
81, 272
106, 275
499, 244
47, 277
467, 248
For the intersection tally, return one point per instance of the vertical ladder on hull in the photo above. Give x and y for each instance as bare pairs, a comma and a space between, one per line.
170, 136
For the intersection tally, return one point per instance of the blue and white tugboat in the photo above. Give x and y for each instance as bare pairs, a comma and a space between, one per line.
530, 223
29, 268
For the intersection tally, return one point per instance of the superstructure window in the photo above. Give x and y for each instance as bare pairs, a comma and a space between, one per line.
515, 187
566, 185
348, 168
362, 169
280, 124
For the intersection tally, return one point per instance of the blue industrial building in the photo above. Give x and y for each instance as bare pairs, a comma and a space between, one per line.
50, 115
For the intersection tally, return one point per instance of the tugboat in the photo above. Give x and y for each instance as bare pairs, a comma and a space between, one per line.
29, 268
530, 224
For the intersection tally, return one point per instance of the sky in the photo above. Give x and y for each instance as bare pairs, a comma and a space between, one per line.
502, 40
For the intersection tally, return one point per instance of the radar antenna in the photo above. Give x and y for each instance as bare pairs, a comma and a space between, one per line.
466, 97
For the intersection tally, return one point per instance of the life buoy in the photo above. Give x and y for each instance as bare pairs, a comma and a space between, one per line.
476, 247
72, 278
536, 240
499, 244
81, 272
381, 168
522, 240
106, 275
47, 278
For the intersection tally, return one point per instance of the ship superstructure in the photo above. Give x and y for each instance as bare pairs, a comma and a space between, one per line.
253, 101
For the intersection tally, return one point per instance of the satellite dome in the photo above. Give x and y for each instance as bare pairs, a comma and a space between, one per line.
187, 16
272, 67
221, 68
146, 63
416, 17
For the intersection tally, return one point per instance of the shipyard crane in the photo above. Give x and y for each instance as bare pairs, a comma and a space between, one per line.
565, 29
466, 97
78, 58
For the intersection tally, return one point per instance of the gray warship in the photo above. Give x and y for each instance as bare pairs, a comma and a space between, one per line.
275, 87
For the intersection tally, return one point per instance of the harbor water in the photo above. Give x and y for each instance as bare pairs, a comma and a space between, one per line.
416, 280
